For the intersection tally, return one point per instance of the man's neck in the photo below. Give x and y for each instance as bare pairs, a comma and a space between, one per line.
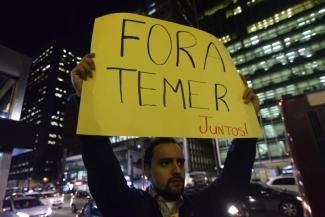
167, 197
167, 208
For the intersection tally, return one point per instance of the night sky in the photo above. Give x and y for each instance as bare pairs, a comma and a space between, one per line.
30, 26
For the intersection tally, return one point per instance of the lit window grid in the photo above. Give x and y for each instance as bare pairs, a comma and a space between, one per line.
285, 74
43, 56
283, 15
279, 29
292, 89
278, 47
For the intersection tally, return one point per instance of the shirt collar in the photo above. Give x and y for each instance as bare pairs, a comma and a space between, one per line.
165, 211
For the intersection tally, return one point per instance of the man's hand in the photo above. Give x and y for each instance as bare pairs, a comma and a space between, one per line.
250, 96
82, 71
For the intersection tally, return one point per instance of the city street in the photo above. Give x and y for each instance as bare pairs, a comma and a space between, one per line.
65, 211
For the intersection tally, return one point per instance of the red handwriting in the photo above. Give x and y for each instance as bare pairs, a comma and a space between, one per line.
208, 128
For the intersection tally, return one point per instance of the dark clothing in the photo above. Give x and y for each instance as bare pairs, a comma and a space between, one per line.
115, 199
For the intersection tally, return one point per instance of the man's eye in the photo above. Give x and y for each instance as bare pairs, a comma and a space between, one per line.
181, 163
164, 163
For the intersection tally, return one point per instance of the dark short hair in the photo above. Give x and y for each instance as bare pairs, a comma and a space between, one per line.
152, 144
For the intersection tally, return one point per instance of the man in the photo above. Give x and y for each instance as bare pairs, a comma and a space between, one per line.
164, 165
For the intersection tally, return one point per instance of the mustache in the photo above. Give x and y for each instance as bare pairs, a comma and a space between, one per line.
176, 179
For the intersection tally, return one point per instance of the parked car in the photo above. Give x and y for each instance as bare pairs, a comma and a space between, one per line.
263, 200
52, 199
284, 182
78, 200
24, 207
89, 210
49, 198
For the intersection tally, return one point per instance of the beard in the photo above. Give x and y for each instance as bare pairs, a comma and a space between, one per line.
170, 193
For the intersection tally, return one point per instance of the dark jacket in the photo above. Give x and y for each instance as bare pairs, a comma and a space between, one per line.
115, 199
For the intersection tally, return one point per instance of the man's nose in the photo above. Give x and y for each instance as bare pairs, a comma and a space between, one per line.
176, 168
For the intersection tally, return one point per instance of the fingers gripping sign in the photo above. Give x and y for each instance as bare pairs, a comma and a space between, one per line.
82, 71
250, 96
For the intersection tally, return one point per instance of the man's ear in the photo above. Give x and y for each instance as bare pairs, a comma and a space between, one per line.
147, 171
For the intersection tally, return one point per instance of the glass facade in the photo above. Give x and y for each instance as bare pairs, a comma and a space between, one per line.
281, 56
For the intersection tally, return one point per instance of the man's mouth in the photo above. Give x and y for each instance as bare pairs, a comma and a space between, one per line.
176, 180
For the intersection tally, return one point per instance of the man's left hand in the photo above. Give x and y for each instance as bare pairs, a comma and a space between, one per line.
250, 96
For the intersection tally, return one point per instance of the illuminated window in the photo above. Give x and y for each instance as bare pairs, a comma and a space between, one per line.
52, 135
59, 95
263, 151
322, 80
269, 131
225, 39
54, 123
254, 40
237, 10
275, 150
152, 11
51, 142
46, 67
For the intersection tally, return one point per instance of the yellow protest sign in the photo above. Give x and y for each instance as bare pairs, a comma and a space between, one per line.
157, 78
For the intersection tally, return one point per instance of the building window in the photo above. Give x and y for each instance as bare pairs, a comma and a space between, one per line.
263, 151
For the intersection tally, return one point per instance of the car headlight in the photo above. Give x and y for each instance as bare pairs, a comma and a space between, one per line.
251, 199
232, 210
299, 198
49, 211
21, 214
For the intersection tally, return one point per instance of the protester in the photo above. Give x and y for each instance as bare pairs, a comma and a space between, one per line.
164, 165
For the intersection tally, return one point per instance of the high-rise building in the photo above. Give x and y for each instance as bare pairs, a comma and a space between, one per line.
279, 47
178, 11
44, 105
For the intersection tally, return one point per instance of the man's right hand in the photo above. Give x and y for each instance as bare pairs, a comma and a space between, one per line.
82, 71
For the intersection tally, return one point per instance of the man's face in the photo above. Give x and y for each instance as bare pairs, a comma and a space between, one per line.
167, 170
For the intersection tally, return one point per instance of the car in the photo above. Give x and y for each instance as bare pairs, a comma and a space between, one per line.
263, 200
52, 199
78, 200
24, 207
49, 198
89, 210
284, 182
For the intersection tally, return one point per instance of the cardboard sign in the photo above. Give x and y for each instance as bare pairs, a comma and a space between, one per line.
157, 78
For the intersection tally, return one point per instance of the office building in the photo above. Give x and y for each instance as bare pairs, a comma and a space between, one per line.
279, 47
44, 105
